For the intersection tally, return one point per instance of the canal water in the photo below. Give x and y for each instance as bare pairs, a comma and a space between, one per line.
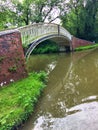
70, 100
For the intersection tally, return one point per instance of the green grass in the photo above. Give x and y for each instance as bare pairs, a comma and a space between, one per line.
86, 47
17, 100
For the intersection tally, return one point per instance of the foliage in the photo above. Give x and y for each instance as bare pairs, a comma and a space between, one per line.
82, 19
13, 68
1, 58
46, 47
17, 100
28, 11
7, 15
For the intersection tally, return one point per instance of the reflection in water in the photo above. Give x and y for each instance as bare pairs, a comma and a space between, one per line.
90, 98
70, 101
50, 67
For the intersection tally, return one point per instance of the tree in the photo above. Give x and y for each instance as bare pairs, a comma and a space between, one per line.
81, 18
72, 19
40, 10
29, 11
32, 11
45, 10
91, 10
6, 14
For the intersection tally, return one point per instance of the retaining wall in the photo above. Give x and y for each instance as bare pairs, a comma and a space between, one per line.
12, 61
76, 42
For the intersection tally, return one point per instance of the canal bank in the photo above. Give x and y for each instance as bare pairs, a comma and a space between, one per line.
17, 100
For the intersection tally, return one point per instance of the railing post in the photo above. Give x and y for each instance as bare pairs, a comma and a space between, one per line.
58, 30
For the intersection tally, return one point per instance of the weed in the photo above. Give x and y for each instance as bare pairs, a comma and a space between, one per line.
1, 58
12, 69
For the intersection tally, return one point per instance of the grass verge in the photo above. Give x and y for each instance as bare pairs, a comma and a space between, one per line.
86, 47
17, 100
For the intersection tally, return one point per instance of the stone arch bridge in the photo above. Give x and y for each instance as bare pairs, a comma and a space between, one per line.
36, 33
12, 60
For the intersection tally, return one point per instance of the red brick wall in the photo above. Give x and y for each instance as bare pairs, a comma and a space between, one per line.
76, 42
12, 62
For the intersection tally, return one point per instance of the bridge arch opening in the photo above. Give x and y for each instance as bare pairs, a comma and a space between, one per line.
47, 46
60, 40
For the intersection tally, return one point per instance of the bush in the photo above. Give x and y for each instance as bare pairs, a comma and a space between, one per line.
46, 47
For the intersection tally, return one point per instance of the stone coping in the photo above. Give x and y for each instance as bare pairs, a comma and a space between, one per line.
8, 31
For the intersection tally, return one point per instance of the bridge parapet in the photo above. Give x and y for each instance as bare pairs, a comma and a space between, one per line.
33, 32
64, 32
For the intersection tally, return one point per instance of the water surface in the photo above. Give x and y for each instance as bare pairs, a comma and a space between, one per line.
70, 100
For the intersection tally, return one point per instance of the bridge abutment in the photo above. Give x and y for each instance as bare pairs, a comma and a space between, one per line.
12, 61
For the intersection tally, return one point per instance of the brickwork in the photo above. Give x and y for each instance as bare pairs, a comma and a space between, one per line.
12, 61
76, 42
